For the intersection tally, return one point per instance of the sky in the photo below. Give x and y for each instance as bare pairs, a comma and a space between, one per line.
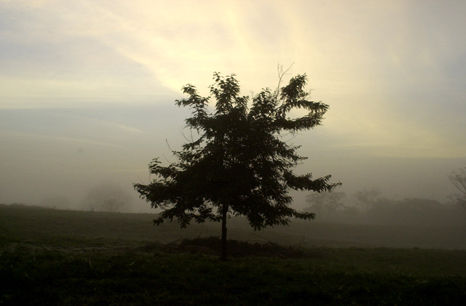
87, 88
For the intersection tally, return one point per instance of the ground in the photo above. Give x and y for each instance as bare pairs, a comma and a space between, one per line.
53, 257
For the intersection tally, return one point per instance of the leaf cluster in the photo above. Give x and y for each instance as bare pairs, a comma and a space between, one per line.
238, 158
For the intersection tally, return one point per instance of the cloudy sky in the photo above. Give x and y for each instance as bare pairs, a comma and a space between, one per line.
87, 87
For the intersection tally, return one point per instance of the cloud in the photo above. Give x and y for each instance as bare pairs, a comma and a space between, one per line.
11, 136
392, 72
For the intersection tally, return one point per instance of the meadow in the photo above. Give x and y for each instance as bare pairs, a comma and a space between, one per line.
57, 257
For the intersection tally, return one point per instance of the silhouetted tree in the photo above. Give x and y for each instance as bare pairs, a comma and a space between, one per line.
238, 163
458, 179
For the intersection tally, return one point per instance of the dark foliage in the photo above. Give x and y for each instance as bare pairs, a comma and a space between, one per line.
239, 162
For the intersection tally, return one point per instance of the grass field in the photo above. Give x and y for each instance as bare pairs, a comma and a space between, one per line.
53, 257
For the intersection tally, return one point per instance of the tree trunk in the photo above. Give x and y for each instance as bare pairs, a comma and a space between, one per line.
224, 232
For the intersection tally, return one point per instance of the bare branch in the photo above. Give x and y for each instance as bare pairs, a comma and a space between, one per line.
281, 74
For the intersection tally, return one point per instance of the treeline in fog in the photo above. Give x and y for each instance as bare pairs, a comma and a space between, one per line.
371, 207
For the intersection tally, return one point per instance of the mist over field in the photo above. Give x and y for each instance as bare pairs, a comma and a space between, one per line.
205, 110
113, 147
87, 95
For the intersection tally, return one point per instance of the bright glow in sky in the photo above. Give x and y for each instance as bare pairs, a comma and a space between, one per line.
393, 73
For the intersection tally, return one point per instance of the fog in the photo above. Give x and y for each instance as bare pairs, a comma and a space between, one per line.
57, 157
87, 96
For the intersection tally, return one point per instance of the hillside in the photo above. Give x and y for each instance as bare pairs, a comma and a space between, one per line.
53, 257
22, 223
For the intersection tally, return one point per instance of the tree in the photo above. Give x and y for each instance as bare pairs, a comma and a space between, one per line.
237, 163
326, 203
368, 198
458, 179
107, 197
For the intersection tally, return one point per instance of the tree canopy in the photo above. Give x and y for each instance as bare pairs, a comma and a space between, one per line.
458, 179
238, 161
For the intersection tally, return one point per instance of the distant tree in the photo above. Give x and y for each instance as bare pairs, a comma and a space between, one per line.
367, 198
238, 162
325, 203
458, 179
107, 197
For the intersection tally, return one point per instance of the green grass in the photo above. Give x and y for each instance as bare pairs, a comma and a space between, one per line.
41, 276
51, 257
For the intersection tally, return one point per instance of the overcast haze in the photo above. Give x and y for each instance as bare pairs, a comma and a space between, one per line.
87, 88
